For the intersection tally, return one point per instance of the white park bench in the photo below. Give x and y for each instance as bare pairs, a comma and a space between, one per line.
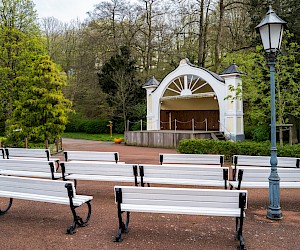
208, 202
184, 175
29, 168
257, 177
199, 159
93, 171
51, 191
262, 161
30, 154
91, 156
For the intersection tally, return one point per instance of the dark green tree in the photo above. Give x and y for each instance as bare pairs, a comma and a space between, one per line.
117, 79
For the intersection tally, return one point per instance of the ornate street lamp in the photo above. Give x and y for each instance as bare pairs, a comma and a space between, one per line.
271, 30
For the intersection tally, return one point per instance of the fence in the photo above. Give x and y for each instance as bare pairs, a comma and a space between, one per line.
175, 124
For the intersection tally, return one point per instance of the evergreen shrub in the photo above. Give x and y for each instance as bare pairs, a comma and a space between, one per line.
229, 148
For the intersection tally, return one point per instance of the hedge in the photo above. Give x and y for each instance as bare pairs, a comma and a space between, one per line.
90, 126
229, 148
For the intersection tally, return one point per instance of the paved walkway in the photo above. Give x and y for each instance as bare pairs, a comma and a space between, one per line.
36, 225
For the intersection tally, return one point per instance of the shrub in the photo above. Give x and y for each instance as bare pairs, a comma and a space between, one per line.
90, 126
229, 148
261, 133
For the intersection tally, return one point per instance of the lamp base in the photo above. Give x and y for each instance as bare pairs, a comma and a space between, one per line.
274, 214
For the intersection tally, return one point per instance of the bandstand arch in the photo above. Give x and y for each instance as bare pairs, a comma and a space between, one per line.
189, 95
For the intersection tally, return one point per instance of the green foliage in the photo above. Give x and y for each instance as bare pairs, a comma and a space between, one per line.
229, 148
41, 111
256, 86
261, 133
90, 126
117, 79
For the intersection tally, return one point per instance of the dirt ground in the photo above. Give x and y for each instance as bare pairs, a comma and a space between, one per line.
37, 225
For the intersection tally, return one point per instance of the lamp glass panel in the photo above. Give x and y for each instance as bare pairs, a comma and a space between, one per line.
264, 34
276, 35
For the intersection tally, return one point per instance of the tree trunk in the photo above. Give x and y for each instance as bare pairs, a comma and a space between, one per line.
219, 35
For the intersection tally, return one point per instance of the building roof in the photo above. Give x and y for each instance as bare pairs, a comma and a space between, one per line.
215, 75
152, 82
232, 69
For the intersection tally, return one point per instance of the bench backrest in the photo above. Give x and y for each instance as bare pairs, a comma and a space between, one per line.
27, 152
35, 186
187, 172
262, 174
185, 197
28, 165
192, 159
264, 161
103, 169
91, 156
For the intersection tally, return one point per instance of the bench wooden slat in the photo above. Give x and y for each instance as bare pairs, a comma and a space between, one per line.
30, 168
259, 178
99, 172
181, 210
264, 161
192, 159
28, 152
91, 156
184, 175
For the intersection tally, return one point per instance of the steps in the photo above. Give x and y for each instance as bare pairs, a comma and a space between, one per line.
218, 136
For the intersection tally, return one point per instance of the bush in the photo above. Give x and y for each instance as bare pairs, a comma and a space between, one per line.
90, 126
229, 148
261, 133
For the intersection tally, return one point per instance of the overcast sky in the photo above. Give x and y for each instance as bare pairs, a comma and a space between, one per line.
65, 10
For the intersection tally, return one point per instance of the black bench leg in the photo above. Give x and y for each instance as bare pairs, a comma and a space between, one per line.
77, 220
239, 233
122, 227
127, 222
4, 211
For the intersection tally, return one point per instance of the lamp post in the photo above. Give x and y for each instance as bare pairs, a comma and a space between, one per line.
271, 30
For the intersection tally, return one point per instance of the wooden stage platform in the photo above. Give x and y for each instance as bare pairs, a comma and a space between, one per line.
163, 138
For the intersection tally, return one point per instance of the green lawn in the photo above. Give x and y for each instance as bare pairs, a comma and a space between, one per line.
96, 137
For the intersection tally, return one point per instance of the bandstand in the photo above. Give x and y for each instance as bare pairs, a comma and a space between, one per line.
191, 102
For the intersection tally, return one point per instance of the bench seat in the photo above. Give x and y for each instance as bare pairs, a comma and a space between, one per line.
182, 210
77, 201
246, 184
